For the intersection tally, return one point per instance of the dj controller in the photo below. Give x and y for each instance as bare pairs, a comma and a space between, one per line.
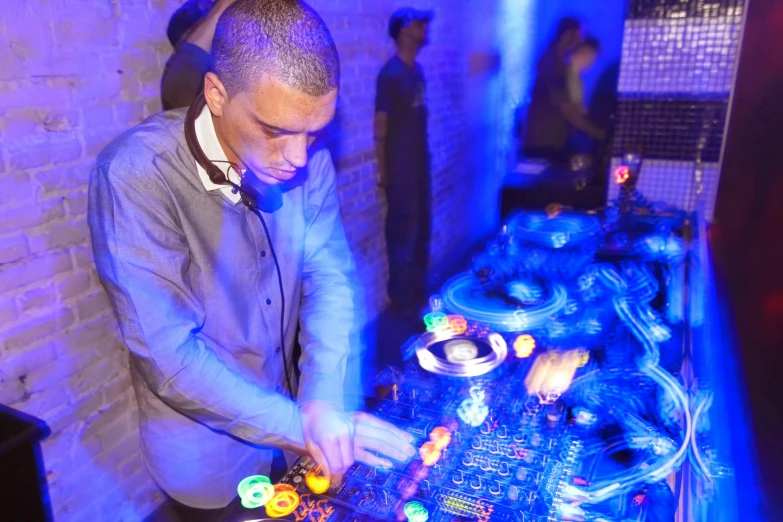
546, 386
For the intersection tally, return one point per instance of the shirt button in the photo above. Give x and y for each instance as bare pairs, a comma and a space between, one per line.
268, 301
277, 350
263, 253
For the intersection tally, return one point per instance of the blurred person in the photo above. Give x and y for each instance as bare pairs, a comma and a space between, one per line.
216, 231
557, 122
404, 159
190, 32
569, 34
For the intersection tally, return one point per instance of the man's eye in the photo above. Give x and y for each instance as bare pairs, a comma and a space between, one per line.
272, 134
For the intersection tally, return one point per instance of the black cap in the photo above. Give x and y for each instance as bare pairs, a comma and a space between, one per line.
402, 17
183, 19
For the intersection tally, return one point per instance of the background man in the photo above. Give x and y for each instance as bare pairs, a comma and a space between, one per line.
404, 159
190, 32
557, 124
208, 292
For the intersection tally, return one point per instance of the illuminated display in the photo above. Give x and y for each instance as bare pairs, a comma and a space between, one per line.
524, 345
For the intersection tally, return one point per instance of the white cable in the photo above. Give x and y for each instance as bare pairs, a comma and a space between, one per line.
703, 406
604, 490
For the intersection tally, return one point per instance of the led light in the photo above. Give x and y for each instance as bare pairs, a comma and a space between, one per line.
457, 324
416, 512
524, 345
429, 454
551, 375
255, 491
621, 174
460, 350
318, 484
246, 483
283, 503
436, 321
440, 437
473, 411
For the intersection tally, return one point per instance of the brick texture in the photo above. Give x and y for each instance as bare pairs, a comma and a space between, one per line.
76, 73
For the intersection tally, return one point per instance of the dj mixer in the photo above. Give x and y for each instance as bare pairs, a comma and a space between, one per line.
545, 387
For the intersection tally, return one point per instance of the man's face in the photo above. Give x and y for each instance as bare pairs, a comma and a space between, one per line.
420, 31
269, 129
584, 58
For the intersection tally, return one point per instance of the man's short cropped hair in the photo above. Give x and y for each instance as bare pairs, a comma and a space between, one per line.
284, 38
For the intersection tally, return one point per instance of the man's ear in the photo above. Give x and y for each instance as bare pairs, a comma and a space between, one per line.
215, 94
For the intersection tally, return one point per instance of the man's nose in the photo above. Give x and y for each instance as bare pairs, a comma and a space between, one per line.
295, 151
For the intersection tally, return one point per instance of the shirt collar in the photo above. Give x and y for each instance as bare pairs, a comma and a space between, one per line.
207, 138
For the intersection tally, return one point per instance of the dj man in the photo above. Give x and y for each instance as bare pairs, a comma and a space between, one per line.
204, 287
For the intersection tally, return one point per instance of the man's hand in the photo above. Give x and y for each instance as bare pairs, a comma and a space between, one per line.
328, 434
374, 434
203, 31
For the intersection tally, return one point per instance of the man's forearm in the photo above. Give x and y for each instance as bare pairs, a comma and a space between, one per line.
380, 130
380, 154
574, 116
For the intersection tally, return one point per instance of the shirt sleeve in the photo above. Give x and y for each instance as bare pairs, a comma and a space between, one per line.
183, 77
383, 92
142, 258
329, 315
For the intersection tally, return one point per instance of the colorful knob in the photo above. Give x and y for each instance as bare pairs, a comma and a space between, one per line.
318, 484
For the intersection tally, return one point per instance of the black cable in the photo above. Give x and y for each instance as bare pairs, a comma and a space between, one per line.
282, 297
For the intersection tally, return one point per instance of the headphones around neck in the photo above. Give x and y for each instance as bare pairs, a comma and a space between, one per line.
250, 196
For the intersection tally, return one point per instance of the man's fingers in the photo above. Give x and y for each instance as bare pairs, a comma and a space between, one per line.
346, 451
381, 446
368, 458
365, 419
333, 454
320, 459
391, 444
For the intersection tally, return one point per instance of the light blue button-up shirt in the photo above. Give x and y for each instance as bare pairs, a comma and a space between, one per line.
192, 281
